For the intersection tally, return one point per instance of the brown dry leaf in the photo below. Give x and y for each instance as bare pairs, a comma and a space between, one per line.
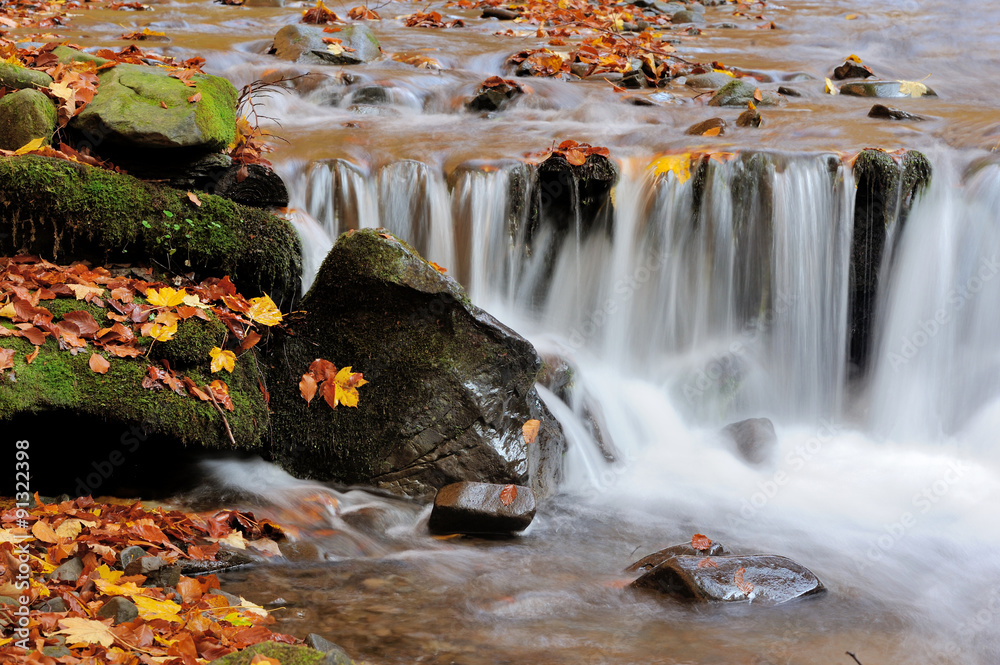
530, 430
701, 542
163, 104
44, 532
758, 95
99, 364
745, 587
30, 358
196, 97
194, 197
307, 387
508, 494
261, 659
712, 131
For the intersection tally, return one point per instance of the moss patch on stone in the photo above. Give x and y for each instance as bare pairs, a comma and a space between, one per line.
286, 654
64, 211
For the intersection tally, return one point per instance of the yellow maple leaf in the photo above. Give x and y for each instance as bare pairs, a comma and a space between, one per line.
347, 384
263, 310
151, 608
107, 574
192, 300
161, 332
679, 165
86, 631
30, 146
222, 360
165, 297
109, 588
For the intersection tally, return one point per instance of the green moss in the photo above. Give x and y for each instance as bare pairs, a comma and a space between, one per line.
286, 654
192, 343
64, 211
16, 77
877, 170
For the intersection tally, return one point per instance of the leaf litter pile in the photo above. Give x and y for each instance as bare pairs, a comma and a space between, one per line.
181, 624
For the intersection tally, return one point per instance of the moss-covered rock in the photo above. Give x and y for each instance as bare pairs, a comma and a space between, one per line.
286, 654
26, 115
128, 110
64, 211
740, 91
885, 192
449, 386
67, 55
18, 78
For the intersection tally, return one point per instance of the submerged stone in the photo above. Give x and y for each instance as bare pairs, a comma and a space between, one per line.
739, 92
482, 508
891, 113
713, 80
686, 549
754, 439
707, 126
758, 577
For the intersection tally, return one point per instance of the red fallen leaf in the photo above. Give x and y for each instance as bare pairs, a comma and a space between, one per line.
242, 174
322, 370
438, 268
6, 359
745, 587
330, 393
147, 530
33, 335
576, 157
307, 388
99, 364
122, 351
508, 494
84, 321
220, 391
203, 552
707, 563
196, 97
191, 195
163, 104
263, 391
700, 542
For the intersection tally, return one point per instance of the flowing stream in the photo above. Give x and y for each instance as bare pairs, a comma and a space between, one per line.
683, 316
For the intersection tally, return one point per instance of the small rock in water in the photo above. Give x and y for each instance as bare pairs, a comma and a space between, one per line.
754, 438
740, 91
788, 92
469, 507
707, 127
334, 654
749, 118
685, 549
758, 577
890, 113
713, 80
852, 69
500, 13
886, 89
494, 94
687, 16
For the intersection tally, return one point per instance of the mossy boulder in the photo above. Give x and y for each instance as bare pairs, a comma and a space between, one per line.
65, 211
885, 192
26, 115
60, 404
449, 386
304, 43
740, 91
128, 111
16, 77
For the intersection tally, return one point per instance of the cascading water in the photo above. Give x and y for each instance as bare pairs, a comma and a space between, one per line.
707, 301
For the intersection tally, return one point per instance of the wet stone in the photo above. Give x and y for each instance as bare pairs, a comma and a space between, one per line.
788, 92
740, 91
469, 507
707, 126
686, 549
852, 70
749, 118
634, 79
713, 80
890, 113
56, 651
687, 16
500, 13
754, 438
758, 578
130, 554
120, 609
335, 655
884, 89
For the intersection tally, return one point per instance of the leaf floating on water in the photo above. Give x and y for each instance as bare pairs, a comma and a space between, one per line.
912, 88
530, 430
700, 542
508, 494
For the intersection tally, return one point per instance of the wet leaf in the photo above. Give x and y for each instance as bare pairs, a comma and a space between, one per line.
438, 268
194, 197
745, 587
307, 388
831, 89
195, 98
758, 95
6, 359
679, 165
701, 542
98, 364
529, 430
712, 131
707, 563
264, 311
347, 383
508, 494
912, 88
30, 146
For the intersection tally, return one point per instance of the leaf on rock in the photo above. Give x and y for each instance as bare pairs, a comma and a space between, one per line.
701, 542
679, 165
745, 587
222, 360
508, 494
98, 364
707, 563
758, 95
831, 89
912, 88
196, 97
347, 383
81, 291
264, 311
307, 388
438, 268
30, 146
165, 297
529, 430
261, 659
86, 631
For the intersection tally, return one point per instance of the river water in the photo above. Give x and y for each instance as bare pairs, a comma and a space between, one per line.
887, 488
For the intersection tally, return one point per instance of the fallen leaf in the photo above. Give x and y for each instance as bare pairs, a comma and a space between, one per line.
438, 268
745, 587
346, 384
163, 104
261, 659
712, 131
700, 542
264, 311
508, 494
194, 197
86, 631
69, 529
196, 97
222, 360
529, 430
757, 95
307, 388
850, 17
707, 563
30, 146
679, 165
151, 608
165, 297
44, 532
831, 89
912, 88
99, 364
81, 291
30, 358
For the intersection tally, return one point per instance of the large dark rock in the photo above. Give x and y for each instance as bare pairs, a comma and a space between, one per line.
754, 439
758, 577
482, 508
885, 192
656, 558
260, 187
449, 386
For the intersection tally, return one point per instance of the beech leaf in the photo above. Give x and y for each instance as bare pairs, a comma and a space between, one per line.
530, 430
99, 364
508, 494
700, 542
264, 311
307, 387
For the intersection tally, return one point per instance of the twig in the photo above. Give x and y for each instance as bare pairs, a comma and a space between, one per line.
854, 657
226, 422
